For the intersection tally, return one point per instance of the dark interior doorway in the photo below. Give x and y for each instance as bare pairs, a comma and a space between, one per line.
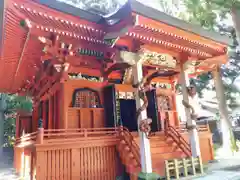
128, 114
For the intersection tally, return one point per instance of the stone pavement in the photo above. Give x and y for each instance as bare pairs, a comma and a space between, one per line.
6, 169
8, 174
227, 168
221, 175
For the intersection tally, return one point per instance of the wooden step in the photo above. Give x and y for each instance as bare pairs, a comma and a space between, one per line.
157, 143
160, 144
162, 149
170, 155
152, 139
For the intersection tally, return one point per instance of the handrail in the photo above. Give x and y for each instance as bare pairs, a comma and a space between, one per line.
128, 138
177, 138
200, 128
56, 135
27, 138
79, 129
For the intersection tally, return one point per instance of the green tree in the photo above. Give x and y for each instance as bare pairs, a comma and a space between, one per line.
207, 11
102, 7
2, 118
14, 104
211, 15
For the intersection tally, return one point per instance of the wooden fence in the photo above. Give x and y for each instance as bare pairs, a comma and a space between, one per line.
26, 140
73, 154
85, 163
183, 167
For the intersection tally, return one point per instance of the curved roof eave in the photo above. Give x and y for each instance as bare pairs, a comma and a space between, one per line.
145, 11
162, 17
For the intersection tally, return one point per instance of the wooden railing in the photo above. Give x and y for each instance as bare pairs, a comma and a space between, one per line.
26, 140
128, 138
77, 154
64, 135
60, 135
200, 128
175, 135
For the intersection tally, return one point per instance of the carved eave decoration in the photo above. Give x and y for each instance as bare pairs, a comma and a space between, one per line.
146, 57
80, 76
191, 66
157, 59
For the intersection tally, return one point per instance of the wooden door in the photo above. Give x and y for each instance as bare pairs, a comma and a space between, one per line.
110, 106
152, 111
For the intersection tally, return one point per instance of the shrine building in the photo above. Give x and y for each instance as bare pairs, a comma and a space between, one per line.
103, 90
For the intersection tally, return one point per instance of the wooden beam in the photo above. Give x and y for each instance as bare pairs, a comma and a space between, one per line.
87, 61
48, 85
222, 59
84, 70
51, 91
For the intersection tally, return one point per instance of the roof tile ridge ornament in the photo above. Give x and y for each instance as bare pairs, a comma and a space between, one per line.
116, 35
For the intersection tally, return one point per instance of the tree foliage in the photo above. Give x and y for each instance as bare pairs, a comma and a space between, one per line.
211, 15
14, 104
103, 7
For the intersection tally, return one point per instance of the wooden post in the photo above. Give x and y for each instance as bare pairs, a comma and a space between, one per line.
44, 117
193, 134
199, 159
185, 167
40, 135
50, 111
146, 161
193, 166
167, 170
222, 104
175, 161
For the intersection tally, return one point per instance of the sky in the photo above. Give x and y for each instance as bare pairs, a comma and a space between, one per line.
171, 7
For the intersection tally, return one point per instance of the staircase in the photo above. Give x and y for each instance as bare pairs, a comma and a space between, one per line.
164, 146
129, 152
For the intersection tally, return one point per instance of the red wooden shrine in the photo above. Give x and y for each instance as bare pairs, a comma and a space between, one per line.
61, 59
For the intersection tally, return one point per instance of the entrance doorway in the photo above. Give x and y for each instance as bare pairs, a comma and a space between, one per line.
128, 114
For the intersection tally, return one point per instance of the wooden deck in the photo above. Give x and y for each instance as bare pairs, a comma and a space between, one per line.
91, 153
